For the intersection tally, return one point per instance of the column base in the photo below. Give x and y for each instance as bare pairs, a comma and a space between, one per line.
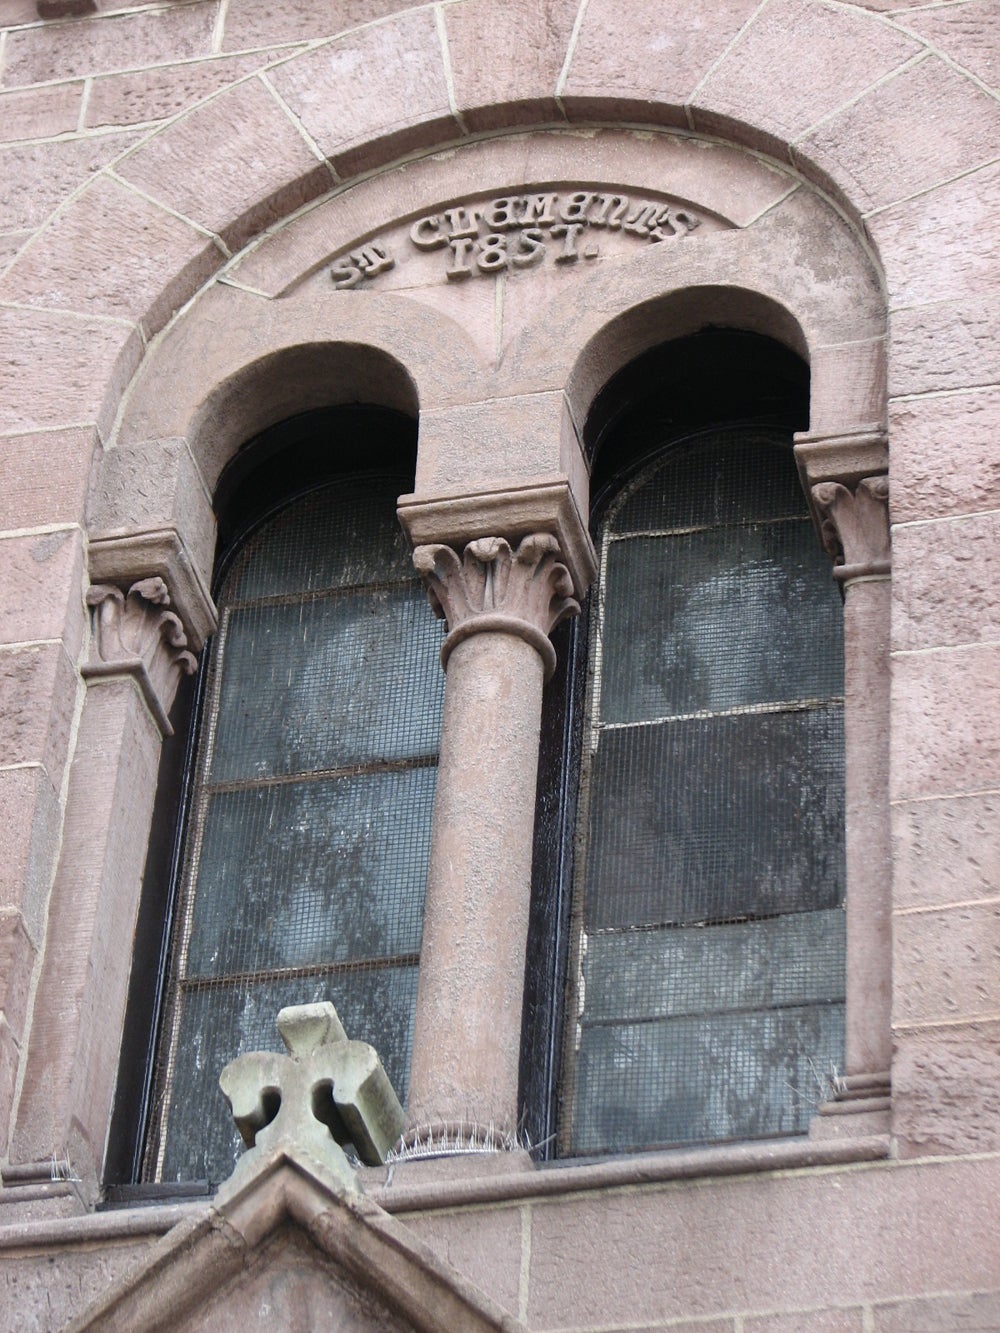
860, 1106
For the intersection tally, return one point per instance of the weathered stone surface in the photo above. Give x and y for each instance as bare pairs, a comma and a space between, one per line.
850, 1320
261, 168
37, 702
343, 107
946, 851
38, 113
87, 364
946, 1099
37, 177
926, 256
82, 266
42, 53
950, 345
937, 748
795, 63
9, 1059
925, 125
946, 964
659, 61
847, 385
40, 576
976, 1312
154, 94
151, 487
10, 243
17, 958
488, 1253
944, 457
27, 1283
965, 33
506, 59
896, 1228
524, 431
29, 841
45, 477
944, 587
250, 24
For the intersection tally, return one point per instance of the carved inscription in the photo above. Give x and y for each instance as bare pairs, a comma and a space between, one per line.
519, 231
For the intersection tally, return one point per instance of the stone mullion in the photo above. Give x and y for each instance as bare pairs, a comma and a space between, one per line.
500, 605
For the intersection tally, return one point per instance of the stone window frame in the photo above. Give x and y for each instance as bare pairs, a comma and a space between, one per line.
164, 528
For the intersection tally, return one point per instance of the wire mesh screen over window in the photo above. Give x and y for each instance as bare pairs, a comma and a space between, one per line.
307, 840
709, 978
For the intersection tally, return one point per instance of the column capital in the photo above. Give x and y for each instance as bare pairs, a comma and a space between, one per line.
491, 586
542, 505
136, 635
854, 527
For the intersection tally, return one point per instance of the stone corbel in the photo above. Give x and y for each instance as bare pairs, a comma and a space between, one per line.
854, 527
136, 635
492, 586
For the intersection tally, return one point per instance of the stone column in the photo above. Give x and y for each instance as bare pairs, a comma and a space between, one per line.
854, 524
500, 601
140, 650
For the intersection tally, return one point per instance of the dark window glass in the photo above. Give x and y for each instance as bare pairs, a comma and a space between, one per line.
308, 826
707, 972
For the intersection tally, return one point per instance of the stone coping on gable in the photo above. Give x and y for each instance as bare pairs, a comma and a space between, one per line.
427, 1185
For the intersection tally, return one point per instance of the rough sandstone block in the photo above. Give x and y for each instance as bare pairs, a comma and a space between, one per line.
976, 1312
946, 964
29, 843
251, 24
41, 577
937, 748
45, 477
488, 1253
84, 266
261, 167
896, 1228
17, 958
343, 107
946, 576
79, 380
37, 703
924, 126
928, 257
946, 1097
808, 1321
38, 177
795, 63
506, 59
658, 61
967, 33
154, 94
9, 1059
951, 345
46, 52
944, 456
946, 851
40, 112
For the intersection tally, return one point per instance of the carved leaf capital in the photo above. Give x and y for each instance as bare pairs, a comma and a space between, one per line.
136, 634
854, 525
525, 591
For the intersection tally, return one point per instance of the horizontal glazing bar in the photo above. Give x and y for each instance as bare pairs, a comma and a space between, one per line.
199, 983
748, 710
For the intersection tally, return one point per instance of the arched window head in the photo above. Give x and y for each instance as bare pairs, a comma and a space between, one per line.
310, 786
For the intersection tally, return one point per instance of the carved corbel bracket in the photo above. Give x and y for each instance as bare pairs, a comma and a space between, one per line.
493, 587
854, 527
136, 635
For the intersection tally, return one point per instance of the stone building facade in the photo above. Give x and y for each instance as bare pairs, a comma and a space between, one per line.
477, 216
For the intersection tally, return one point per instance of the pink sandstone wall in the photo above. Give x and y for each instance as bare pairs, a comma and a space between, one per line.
144, 145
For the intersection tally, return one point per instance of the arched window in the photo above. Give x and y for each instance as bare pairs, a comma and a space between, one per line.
703, 824
310, 783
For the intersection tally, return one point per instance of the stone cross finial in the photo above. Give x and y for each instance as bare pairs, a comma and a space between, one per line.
327, 1092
